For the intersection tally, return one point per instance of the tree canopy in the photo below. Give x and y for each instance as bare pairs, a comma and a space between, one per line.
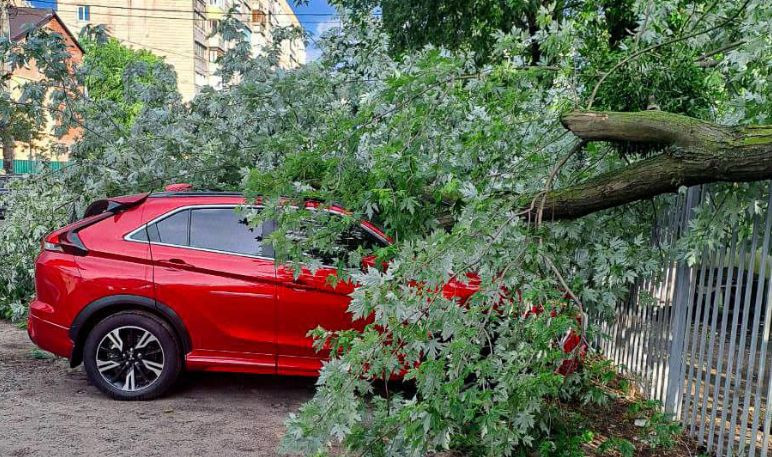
474, 25
111, 67
464, 155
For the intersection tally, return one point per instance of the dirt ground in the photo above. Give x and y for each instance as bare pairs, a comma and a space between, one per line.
48, 409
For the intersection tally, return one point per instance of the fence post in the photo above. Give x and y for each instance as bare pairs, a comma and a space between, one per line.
681, 303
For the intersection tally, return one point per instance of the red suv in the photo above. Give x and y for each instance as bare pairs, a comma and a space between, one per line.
146, 285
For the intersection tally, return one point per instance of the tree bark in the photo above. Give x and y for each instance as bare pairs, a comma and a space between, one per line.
696, 152
8, 156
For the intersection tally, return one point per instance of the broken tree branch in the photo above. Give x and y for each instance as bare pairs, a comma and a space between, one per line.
696, 152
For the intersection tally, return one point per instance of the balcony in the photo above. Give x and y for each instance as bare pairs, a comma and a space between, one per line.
216, 41
258, 20
215, 9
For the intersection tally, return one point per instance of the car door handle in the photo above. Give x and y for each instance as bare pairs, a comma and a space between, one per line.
177, 261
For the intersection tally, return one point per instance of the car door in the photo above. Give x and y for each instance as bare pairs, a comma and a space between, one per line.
215, 272
308, 300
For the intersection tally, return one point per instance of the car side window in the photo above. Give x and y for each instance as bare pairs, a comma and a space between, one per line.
171, 230
140, 235
350, 240
222, 229
356, 237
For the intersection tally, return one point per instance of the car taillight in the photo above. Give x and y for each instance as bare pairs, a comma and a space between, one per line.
66, 240
46, 245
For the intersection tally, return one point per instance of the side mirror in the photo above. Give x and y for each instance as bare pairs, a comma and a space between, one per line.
370, 262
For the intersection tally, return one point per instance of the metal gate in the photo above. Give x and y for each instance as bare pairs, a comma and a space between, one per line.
697, 338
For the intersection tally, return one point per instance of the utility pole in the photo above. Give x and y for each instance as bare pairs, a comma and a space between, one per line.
5, 137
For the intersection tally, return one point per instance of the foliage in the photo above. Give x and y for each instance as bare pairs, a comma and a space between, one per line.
595, 384
37, 354
568, 433
33, 208
472, 25
624, 447
112, 71
23, 118
660, 431
445, 153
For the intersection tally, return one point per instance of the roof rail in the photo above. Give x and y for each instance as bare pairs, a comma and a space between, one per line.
197, 193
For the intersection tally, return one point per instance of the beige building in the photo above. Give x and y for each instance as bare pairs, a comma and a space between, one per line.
179, 31
267, 16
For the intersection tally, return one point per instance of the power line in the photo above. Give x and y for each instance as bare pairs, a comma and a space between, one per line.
136, 8
138, 16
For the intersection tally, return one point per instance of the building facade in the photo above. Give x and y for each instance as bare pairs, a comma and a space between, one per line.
184, 32
268, 15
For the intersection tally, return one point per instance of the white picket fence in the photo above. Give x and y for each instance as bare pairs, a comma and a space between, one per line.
697, 338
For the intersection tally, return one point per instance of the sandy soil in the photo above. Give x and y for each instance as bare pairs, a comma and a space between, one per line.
48, 409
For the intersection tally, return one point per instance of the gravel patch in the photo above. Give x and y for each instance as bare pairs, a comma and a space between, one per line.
49, 409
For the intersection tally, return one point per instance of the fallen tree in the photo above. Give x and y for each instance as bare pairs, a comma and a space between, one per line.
693, 152
402, 142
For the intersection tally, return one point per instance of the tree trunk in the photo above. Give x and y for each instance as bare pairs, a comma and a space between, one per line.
8, 155
696, 152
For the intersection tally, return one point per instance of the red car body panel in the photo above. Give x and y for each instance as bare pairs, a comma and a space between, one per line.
238, 313
307, 301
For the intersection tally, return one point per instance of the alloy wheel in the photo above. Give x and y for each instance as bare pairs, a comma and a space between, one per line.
130, 358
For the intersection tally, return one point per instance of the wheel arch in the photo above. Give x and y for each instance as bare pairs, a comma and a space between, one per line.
97, 310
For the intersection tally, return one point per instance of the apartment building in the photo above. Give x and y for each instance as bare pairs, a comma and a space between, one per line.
268, 15
181, 31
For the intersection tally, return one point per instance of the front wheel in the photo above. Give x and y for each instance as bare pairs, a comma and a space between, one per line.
132, 356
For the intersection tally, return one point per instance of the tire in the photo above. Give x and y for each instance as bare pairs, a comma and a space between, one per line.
132, 355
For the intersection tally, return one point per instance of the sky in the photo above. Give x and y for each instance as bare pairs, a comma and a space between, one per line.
316, 17
314, 23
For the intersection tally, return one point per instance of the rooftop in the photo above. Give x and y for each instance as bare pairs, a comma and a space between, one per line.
23, 19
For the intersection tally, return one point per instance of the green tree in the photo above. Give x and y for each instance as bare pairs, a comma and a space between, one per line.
112, 72
473, 25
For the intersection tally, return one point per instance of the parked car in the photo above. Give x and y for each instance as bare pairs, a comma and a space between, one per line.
147, 285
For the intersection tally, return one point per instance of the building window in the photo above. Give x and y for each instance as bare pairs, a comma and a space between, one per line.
258, 18
200, 81
200, 51
213, 26
214, 54
84, 13
200, 21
